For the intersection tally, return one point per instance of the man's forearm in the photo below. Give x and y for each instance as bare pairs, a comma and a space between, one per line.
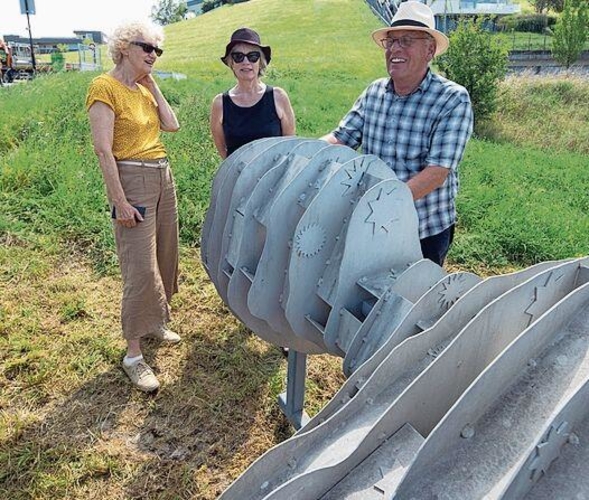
430, 178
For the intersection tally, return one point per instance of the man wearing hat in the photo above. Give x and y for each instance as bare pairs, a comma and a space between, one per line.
415, 121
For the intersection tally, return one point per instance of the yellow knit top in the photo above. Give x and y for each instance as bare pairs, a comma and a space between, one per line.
136, 132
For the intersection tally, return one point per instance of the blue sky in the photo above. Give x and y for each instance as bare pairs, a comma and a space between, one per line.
60, 18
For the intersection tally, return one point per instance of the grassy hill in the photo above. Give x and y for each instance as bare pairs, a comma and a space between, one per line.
70, 425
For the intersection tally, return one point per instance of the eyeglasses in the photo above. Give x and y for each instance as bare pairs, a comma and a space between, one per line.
148, 48
252, 57
404, 42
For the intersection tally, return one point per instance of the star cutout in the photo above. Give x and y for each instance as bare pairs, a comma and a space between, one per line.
548, 450
355, 174
542, 297
379, 216
454, 288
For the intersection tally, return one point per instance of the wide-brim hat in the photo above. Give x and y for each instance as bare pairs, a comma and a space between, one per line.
413, 15
249, 36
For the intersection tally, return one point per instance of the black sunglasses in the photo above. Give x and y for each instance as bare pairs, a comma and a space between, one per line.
148, 48
252, 57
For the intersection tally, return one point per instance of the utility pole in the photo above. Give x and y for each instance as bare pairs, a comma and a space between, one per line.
28, 7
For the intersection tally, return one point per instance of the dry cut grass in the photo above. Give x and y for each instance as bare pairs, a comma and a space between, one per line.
72, 427
547, 112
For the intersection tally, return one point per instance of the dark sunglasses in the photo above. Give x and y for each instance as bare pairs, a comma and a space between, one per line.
252, 57
148, 48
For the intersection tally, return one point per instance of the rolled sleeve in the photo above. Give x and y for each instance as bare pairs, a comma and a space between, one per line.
451, 135
350, 128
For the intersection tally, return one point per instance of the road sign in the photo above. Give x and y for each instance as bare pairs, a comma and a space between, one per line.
27, 7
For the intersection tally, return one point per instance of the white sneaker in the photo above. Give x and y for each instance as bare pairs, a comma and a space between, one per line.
165, 335
142, 376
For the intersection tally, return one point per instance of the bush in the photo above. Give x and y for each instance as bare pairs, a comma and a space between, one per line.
213, 4
542, 5
210, 5
477, 60
528, 23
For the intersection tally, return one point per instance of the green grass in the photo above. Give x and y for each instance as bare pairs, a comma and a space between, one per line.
526, 41
70, 425
520, 206
529, 41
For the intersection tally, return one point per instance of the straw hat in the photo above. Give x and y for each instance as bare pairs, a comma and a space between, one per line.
413, 15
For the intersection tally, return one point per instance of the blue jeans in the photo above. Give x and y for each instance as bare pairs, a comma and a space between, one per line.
435, 248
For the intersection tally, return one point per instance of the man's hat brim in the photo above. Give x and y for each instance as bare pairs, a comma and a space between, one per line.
442, 41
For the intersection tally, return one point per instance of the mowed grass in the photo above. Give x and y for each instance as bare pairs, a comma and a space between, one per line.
70, 424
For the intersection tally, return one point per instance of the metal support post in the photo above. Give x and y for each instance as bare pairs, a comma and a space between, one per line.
292, 401
31, 9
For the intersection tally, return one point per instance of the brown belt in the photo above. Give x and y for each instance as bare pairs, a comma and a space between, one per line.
159, 163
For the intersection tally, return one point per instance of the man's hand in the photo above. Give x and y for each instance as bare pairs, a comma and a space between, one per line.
330, 138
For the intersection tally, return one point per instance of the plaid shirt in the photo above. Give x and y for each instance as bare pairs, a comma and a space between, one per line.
431, 126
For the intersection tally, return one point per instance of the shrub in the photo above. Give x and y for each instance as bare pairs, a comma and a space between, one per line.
528, 23
210, 5
477, 60
213, 4
542, 5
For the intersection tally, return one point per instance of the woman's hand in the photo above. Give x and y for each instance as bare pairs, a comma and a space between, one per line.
148, 82
168, 120
127, 215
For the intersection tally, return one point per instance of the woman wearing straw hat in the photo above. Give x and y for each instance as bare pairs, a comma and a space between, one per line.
251, 109
415, 121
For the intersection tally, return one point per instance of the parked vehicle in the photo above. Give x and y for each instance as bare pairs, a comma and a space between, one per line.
17, 62
6, 69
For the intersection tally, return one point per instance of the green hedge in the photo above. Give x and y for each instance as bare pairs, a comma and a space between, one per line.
529, 23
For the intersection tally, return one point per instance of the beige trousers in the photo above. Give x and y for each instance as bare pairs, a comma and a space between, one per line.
148, 252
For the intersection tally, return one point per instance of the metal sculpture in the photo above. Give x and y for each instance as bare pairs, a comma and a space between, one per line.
302, 238
457, 387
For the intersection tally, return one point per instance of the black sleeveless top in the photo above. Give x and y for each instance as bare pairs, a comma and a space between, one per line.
243, 125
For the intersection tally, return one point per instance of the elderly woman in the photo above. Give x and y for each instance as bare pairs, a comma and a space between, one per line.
127, 112
251, 109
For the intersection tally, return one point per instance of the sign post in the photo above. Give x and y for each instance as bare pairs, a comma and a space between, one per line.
28, 7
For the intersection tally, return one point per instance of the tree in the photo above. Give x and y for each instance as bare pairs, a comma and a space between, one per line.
208, 5
476, 60
545, 5
168, 12
570, 32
